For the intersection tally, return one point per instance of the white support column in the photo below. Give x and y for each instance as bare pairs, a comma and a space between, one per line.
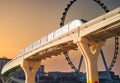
90, 52
30, 68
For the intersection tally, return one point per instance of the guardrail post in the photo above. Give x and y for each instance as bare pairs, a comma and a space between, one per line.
90, 52
30, 68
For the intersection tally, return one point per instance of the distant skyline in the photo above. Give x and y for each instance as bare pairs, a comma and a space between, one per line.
23, 22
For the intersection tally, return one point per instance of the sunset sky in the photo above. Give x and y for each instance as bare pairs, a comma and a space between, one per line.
23, 22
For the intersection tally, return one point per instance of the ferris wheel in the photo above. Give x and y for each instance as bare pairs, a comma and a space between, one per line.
104, 8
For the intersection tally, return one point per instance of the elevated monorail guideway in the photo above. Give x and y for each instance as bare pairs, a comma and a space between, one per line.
95, 31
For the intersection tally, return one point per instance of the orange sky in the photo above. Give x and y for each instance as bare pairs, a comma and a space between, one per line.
25, 21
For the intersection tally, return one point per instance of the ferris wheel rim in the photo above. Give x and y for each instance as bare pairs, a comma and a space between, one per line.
104, 7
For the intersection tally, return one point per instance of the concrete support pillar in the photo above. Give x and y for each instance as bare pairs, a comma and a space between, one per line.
90, 52
30, 68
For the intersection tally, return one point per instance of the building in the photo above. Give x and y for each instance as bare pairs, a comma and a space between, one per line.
66, 77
